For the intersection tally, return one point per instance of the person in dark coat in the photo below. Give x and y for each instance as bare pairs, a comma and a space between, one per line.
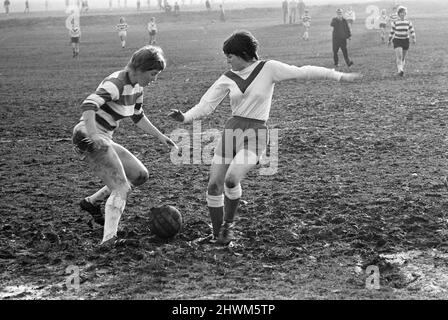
341, 32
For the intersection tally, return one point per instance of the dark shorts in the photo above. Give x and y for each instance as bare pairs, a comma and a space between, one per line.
74, 39
383, 25
242, 133
152, 33
403, 43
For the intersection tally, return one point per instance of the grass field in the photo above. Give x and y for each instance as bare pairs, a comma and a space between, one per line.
360, 181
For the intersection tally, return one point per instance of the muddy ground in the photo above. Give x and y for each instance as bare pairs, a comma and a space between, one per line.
361, 176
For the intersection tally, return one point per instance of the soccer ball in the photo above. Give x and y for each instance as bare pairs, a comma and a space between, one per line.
165, 221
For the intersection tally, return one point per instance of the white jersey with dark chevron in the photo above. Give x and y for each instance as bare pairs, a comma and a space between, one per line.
250, 90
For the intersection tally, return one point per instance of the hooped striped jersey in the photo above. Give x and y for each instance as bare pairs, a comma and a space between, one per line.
114, 99
250, 90
393, 17
306, 18
401, 29
122, 26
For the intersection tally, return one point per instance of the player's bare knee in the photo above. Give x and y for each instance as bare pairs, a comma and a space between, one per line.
214, 188
231, 181
142, 177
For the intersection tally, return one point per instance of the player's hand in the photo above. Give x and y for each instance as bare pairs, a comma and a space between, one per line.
167, 141
350, 77
388, 43
177, 115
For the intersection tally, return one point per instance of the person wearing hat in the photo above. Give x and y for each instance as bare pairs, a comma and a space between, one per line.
341, 32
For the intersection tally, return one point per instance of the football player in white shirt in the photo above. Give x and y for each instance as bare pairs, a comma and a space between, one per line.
75, 34
152, 30
250, 86
382, 20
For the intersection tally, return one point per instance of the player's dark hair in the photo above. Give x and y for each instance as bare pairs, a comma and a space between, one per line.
147, 58
242, 44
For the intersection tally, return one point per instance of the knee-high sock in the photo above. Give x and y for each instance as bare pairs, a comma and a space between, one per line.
216, 210
114, 208
231, 202
99, 196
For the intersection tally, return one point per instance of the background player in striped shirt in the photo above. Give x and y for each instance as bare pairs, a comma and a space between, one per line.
122, 28
306, 21
400, 31
250, 86
382, 21
75, 34
118, 96
393, 16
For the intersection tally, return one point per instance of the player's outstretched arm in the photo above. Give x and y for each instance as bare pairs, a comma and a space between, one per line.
148, 127
281, 71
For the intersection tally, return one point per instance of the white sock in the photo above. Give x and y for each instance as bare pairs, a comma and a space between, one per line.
114, 208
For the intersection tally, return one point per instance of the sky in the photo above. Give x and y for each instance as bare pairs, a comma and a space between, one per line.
39, 5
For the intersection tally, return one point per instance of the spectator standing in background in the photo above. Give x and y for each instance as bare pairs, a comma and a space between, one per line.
292, 11
301, 8
6, 5
222, 14
341, 32
285, 10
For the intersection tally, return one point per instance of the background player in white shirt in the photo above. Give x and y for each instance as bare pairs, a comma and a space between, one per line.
250, 86
152, 30
382, 21
75, 35
306, 21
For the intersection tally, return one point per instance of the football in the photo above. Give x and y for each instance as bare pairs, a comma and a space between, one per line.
165, 221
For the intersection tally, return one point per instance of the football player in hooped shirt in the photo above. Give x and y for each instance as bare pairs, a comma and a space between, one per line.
118, 96
249, 85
